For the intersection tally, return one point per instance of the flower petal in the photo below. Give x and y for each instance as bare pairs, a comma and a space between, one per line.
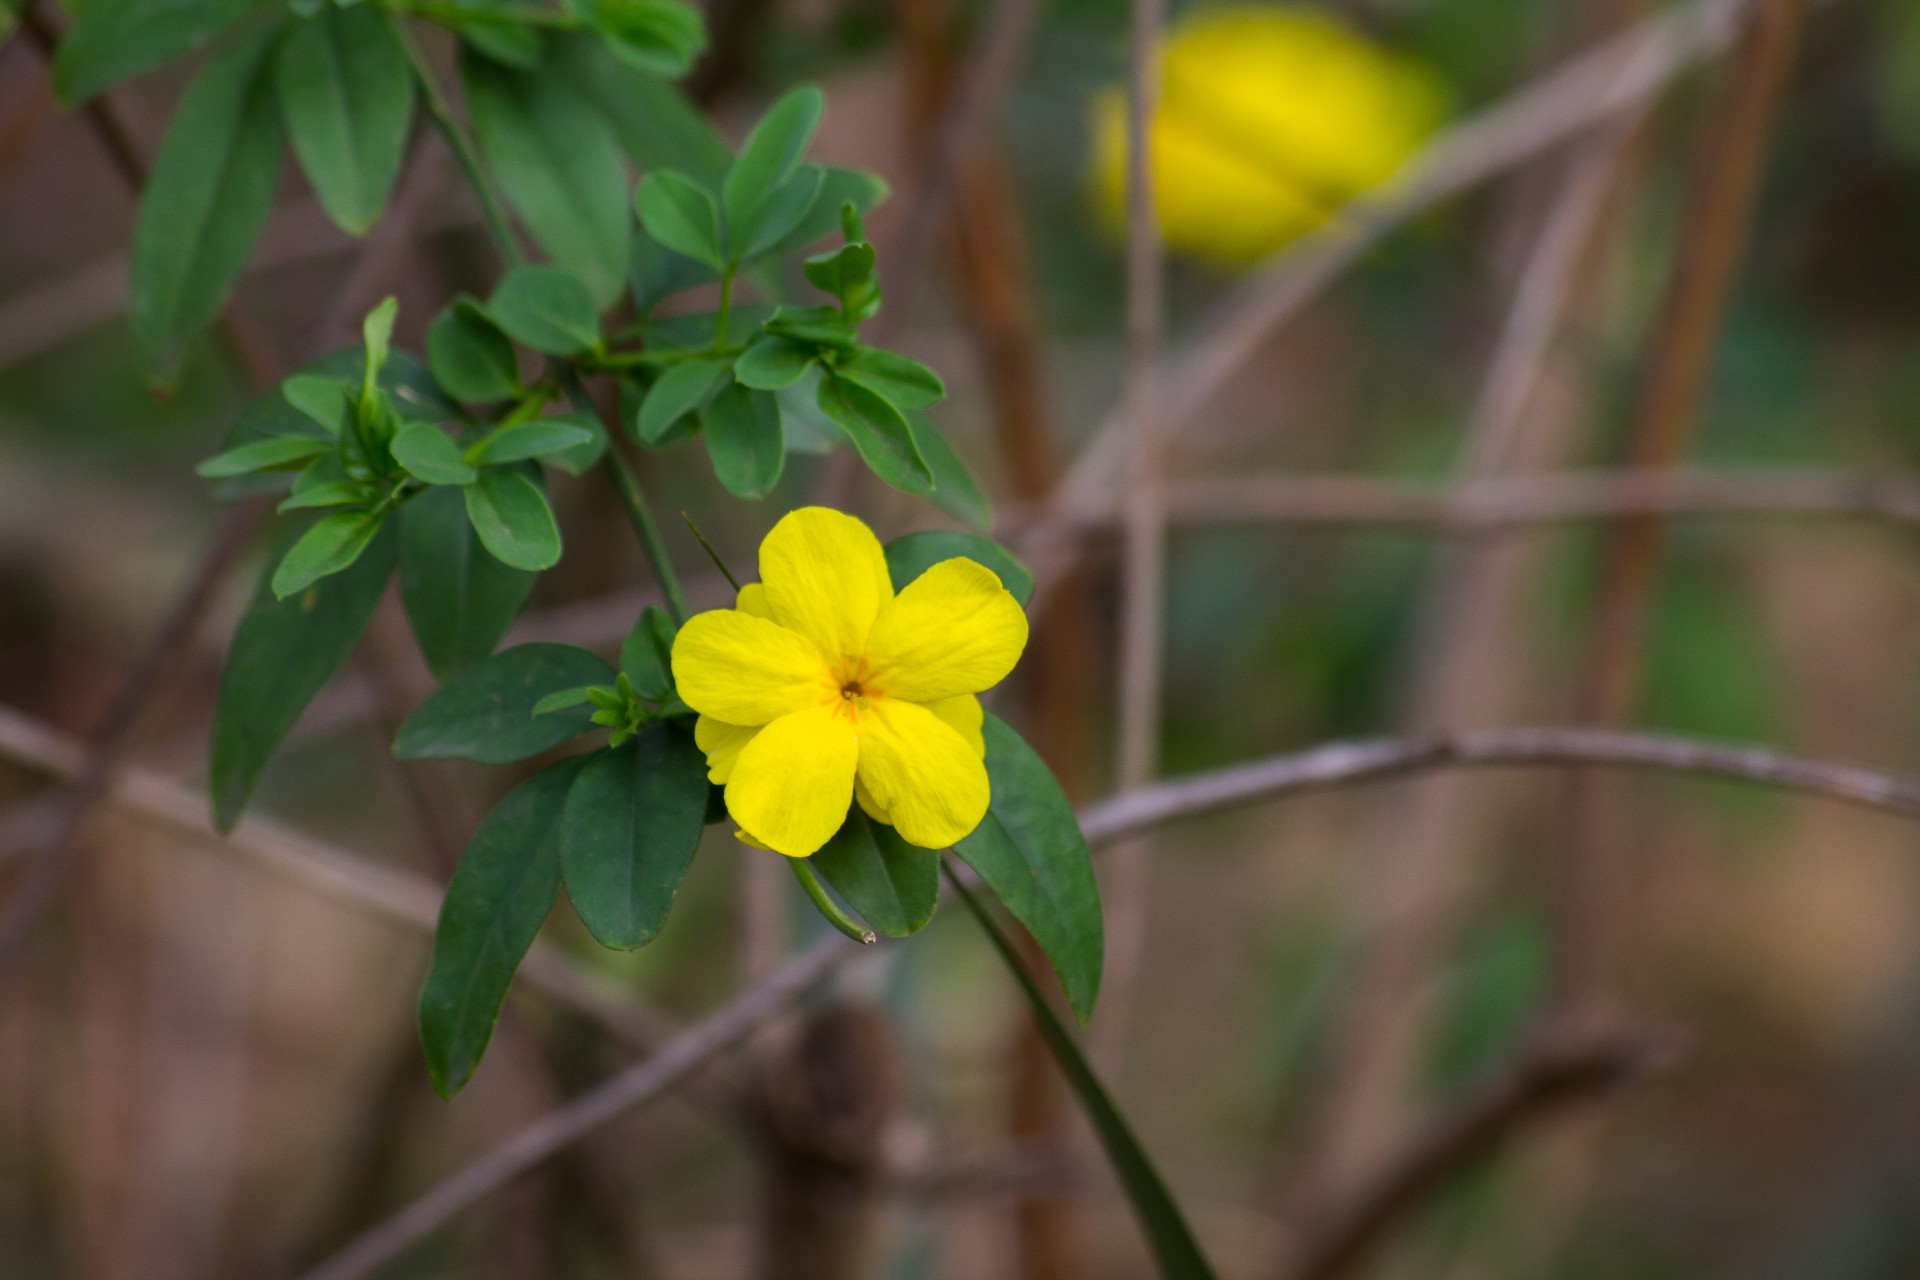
953, 630
753, 599
825, 577
868, 805
965, 714
792, 785
745, 670
722, 743
922, 772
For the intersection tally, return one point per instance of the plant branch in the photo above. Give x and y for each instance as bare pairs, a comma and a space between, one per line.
647, 530
1557, 1071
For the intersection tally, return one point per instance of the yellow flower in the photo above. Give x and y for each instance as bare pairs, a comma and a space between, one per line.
1269, 121
821, 685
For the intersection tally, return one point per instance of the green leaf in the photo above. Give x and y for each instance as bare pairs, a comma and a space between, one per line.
770, 156
847, 273
282, 654
326, 401
954, 489
815, 326
471, 357
744, 439
111, 40
657, 273
680, 214
376, 335
646, 656
907, 384
913, 554
659, 37
485, 712
675, 394
459, 599
1030, 851
1167, 1231
536, 439
655, 123
778, 214
278, 453
563, 699
430, 455
498, 899
333, 493
346, 94
864, 191
892, 884
548, 309
205, 204
578, 458
773, 363
631, 825
513, 520
560, 168
502, 40
332, 544
882, 437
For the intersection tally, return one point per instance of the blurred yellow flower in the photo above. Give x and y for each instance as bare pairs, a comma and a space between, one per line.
1269, 120
821, 685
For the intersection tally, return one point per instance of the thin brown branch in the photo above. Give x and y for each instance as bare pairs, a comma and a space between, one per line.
1558, 1071
539, 1141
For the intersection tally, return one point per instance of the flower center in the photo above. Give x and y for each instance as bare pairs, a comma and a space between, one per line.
851, 691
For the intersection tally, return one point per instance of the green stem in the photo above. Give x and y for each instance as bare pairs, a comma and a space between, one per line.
529, 407
444, 120
640, 515
803, 872
628, 359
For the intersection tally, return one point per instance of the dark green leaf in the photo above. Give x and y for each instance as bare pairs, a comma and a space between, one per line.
658, 273
815, 326
838, 187
744, 439
576, 459
677, 393
471, 357
503, 41
111, 40
908, 384
1030, 851
912, 555
769, 156
278, 453
1167, 1231
430, 455
646, 656
548, 309
535, 439
680, 214
499, 897
459, 599
485, 712
513, 520
332, 544
282, 654
659, 37
346, 94
878, 432
332, 493
560, 167
778, 214
631, 825
892, 884
656, 124
773, 363
205, 204
954, 489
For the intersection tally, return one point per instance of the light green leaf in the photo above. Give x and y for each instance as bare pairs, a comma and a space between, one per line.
324, 400
560, 167
535, 439
499, 897
459, 599
276, 454
907, 384
677, 393
333, 493
513, 520
111, 40
631, 825
471, 357
430, 455
744, 439
892, 884
913, 554
1030, 851
332, 544
563, 699
770, 155
680, 214
847, 274
773, 363
205, 204
955, 491
659, 37
346, 94
777, 215
577, 459
283, 653
1174, 1246
548, 309
880, 435
484, 713
864, 191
